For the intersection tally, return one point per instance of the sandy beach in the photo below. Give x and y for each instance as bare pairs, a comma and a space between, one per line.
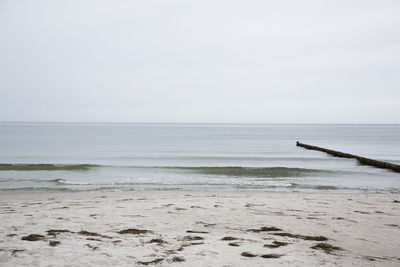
199, 229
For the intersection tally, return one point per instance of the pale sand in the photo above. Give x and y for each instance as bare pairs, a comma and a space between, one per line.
365, 226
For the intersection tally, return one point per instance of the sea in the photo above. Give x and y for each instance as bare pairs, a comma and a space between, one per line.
202, 157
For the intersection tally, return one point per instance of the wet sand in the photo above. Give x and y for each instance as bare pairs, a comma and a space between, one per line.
198, 229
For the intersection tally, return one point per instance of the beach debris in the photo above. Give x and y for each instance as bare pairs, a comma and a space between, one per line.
326, 247
33, 237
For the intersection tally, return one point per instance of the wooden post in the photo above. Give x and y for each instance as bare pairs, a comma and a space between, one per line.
362, 160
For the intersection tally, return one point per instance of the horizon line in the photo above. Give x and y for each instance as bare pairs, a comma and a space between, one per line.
198, 123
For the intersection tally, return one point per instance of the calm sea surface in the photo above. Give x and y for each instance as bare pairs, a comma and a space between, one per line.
233, 157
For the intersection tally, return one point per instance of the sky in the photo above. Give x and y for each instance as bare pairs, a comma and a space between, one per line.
219, 61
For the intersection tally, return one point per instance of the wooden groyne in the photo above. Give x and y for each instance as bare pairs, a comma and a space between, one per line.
362, 160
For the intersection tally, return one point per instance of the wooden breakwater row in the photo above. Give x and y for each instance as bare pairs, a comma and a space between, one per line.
362, 160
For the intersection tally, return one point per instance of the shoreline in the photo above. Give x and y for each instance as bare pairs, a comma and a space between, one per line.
219, 190
199, 228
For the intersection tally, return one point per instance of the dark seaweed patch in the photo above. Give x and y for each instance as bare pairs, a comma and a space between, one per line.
338, 218
326, 247
206, 224
271, 256
374, 258
134, 231
361, 212
92, 247
15, 251
248, 254
192, 238
150, 262
86, 233
189, 244
195, 243
276, 244
177, 259
265, 229
229, 238
93, 239
55, 232
393, 225
33, 237
83, 232
54, 243
157, 240
304, 237
196, 232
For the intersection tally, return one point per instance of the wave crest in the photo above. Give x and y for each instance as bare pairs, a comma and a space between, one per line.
45, 167
263, 172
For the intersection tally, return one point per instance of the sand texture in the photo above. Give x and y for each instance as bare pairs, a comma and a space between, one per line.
163, 228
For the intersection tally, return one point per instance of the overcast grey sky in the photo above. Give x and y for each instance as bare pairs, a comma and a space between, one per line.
200, 61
